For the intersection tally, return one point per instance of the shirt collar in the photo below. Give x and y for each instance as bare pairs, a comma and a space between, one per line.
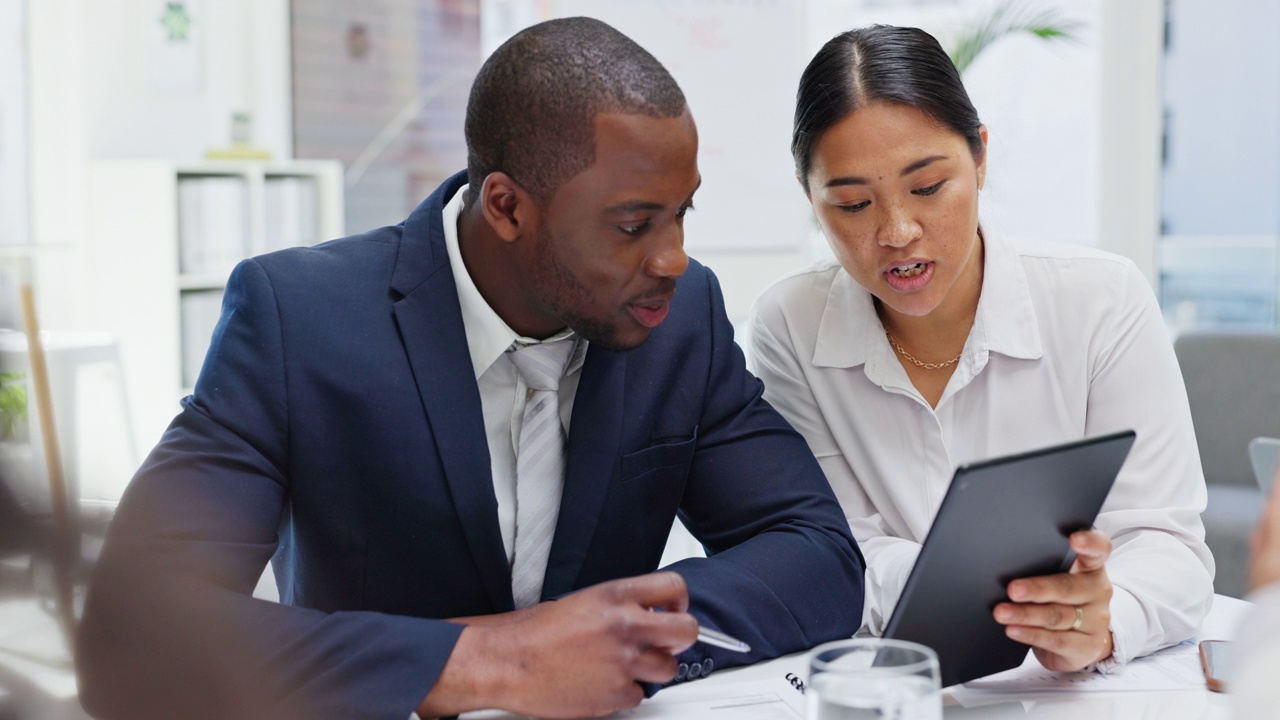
1006, 315
851, 334
488, 335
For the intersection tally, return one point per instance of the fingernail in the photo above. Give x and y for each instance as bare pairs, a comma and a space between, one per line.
1004, 614
1014, 632
1017, 591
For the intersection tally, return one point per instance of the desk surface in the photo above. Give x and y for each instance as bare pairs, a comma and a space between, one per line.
1196, 702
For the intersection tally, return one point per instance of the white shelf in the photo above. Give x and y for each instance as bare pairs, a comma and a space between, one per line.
162, 313
208, 281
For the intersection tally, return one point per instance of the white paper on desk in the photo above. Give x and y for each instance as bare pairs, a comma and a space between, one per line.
773, 699
1174, 668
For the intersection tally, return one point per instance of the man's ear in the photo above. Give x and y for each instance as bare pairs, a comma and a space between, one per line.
505, 205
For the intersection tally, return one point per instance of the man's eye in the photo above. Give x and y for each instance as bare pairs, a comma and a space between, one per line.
855, 207
633, 229
683, 211
929, 190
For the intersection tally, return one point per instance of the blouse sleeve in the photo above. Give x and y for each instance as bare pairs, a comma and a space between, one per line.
1160, 567
772, 357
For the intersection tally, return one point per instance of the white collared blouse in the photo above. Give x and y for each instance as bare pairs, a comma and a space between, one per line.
1068, 343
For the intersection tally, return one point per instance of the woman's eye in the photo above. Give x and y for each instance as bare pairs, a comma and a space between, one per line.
633, 229
855, 207
929, 190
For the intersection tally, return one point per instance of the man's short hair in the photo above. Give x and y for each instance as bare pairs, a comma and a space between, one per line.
533, 105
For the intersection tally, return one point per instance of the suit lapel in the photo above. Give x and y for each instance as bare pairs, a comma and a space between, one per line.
595, 435
430, 321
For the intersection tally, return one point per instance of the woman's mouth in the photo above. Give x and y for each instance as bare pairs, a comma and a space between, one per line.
910, 276
908, 271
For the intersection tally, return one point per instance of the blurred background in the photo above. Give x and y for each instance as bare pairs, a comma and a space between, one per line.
148, 145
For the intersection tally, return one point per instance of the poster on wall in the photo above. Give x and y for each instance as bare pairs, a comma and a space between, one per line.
173, 38
14, 162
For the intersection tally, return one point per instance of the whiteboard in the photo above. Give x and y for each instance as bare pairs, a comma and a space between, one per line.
738, 62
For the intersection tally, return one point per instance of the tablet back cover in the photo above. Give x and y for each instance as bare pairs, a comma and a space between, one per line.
1000, 520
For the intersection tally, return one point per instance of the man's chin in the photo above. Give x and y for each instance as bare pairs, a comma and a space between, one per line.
611, 337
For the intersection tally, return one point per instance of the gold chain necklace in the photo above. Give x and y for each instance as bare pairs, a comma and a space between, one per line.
927, 366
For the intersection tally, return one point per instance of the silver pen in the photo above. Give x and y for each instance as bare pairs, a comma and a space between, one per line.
720, 640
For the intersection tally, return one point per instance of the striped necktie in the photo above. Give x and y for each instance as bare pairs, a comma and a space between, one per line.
540, 463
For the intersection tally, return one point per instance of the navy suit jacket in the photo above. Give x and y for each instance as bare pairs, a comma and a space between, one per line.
336, 426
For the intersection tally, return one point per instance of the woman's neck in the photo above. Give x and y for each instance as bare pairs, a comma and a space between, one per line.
941, 335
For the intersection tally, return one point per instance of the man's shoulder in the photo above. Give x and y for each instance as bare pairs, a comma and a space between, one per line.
365, 257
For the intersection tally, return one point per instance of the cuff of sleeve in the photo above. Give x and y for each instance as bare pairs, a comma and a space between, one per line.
1126, 614
884, 581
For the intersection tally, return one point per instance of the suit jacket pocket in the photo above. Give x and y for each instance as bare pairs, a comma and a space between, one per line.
666, 457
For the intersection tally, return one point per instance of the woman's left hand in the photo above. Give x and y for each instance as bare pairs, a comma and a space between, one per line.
1065, 618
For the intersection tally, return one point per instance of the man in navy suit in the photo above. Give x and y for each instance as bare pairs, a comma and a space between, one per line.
358, 420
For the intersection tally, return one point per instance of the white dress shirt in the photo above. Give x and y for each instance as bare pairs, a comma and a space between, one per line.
502, 392
1068, 343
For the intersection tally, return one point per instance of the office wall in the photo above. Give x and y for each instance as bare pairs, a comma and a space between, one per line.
95, 96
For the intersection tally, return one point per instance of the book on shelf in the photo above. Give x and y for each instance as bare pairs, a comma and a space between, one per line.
291, 212
213, 224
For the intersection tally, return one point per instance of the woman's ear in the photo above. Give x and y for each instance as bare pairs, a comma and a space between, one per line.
982, 157
504, 205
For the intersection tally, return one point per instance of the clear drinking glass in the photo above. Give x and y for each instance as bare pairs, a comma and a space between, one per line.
873, 678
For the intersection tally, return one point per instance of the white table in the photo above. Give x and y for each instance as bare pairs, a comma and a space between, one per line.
1198, 702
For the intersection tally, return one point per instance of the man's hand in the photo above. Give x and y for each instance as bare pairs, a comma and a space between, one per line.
577, 657
1264, 569
1065, 618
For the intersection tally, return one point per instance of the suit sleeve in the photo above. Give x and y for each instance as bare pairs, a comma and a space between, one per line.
783, 572
170, 628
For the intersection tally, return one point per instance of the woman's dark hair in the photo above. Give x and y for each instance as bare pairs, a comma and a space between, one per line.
880, 63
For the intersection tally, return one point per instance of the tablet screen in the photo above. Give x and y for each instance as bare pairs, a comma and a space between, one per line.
1000, 520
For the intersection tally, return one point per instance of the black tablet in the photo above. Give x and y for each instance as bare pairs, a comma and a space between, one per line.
1000, 520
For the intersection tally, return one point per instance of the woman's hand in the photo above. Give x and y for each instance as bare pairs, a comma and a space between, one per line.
1065, 618
1265, 567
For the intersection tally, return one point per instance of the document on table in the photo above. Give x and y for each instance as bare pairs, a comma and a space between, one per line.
773, 699
1174, 668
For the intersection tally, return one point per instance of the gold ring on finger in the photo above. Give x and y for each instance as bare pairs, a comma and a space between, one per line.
1079, 619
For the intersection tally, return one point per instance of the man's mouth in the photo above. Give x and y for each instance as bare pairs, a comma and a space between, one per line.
650, 313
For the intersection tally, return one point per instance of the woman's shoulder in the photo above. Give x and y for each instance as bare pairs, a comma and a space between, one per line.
1049, 256
801, 289
1068, 269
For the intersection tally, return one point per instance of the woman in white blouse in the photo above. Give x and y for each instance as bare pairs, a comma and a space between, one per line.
928, 344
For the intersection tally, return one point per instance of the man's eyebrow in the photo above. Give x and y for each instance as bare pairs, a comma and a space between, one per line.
643, 205
857, 180
633, 206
